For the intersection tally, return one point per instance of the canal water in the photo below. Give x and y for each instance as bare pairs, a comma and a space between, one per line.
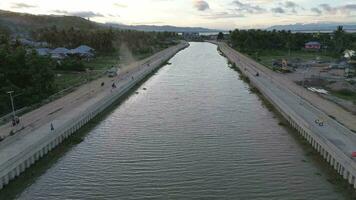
192, 131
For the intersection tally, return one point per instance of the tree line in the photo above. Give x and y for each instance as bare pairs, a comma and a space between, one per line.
30, 76
103, 40
252, 41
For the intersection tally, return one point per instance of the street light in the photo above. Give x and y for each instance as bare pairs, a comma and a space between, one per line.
303, 85
88, 80
12, 103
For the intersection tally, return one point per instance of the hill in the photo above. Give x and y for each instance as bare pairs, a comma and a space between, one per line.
22, 24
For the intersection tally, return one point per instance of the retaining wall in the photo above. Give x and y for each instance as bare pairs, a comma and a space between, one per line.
344, 165
24, 159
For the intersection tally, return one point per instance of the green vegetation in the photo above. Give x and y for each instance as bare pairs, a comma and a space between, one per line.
255, 42
102, 62
67, 79
346, 95
25, 23
34, 78
71, 65
30, 76
220, 36
105, 40
267, 57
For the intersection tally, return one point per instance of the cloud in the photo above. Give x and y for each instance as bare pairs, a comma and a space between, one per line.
278, 10
113, 15
83, 14
316, 10
347, 9
222, 15
22, 5
201, 5
120, 5
290, 4
326, 7
287, 7
247, 8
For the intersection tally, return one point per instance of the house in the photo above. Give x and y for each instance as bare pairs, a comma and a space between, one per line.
349, 54
350, 72
60, 53
83, 51
43, 51
312, 45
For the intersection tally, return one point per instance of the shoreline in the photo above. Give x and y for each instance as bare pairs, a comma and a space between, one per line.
20, 153
319, 139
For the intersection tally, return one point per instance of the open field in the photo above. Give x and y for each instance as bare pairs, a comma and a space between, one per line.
103, 62
66, 80
266, 57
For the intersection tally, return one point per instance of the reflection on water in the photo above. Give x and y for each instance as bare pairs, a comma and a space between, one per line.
195, 133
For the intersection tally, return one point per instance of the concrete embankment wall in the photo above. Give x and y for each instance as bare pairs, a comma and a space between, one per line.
24, 159
343, 164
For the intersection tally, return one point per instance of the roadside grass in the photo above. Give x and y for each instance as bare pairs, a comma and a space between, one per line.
143, 55
346, 95
103, 62
67, 79
64, 80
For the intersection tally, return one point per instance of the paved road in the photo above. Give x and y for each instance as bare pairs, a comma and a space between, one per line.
288, 97
331, 109
59, 107
72, 105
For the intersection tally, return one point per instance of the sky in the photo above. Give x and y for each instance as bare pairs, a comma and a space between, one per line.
218, 14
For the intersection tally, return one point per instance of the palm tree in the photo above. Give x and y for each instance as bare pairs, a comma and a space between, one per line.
339, 38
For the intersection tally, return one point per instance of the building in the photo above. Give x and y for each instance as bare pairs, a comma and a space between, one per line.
83, 51
312, 45
43, 51
60, 53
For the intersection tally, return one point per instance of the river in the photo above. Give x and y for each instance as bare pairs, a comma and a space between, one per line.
193, 130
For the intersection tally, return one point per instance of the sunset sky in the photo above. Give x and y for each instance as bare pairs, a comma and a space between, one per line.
222, 14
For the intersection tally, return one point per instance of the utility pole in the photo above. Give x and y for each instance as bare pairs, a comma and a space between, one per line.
88, 80
303, 85
12, 103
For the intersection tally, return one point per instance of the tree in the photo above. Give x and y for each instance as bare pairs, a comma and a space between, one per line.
339, 40
26, 73
220, 36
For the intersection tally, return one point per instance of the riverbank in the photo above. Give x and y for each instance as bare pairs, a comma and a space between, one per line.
193, 130
30, 144
332, 140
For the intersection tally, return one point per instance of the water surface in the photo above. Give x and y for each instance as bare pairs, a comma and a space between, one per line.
197, 132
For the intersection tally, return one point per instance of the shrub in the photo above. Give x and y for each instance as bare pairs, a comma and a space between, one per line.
71, 64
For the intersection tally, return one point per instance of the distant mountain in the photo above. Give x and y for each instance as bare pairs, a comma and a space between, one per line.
161, 28
327, 27
22, 24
